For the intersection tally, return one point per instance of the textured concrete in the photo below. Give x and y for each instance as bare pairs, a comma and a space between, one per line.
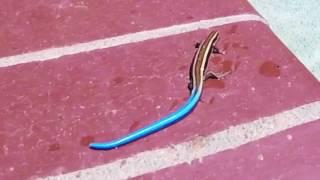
290, 155
33, 25
187, 159
57, 52
51, 110
297, 24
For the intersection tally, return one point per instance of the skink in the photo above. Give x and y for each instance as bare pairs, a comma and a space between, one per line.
197, 75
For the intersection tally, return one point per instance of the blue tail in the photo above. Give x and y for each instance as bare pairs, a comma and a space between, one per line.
154, 127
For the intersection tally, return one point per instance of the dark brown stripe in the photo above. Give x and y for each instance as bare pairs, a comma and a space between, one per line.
201, 59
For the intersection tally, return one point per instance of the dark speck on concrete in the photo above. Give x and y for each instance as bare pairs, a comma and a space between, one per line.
211, 101
86, 140
117, 80
229, 66
134, 126
215, 83
133, 11
173, 105
54, 147
233, 29
270, 69
182, 68
190, 17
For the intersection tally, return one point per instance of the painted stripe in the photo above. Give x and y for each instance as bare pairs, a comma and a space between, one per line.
52, 53
233, 137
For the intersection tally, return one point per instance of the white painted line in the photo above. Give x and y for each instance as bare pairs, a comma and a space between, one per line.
198, 148
52, 53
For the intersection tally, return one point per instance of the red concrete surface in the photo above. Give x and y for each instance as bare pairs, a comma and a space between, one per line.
37, 24
50, 111
291, 155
